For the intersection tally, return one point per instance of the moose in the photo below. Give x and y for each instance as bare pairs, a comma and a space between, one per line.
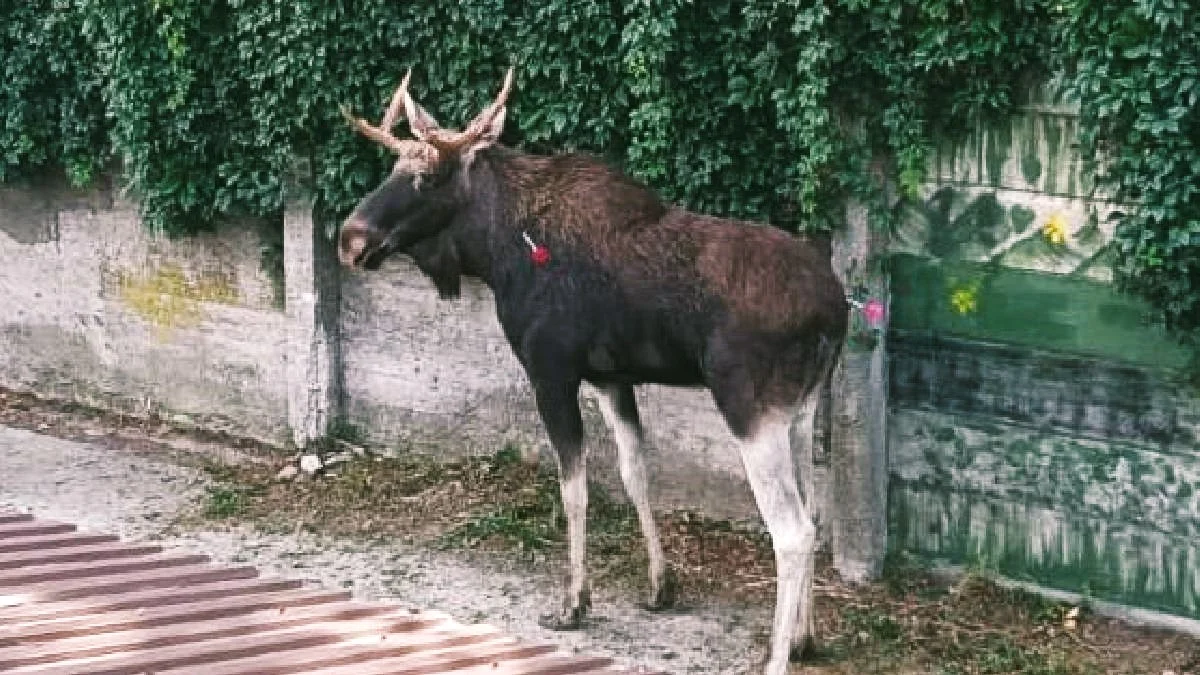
597, 279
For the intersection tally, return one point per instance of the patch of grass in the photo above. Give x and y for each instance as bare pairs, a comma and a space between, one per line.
905, 574
878, 626
1038, 609
230, 496
1021, 605
508, 457
531, 517
609, 519
867, 629
224, 501
531, 520
221, 472
996, 654
344, 430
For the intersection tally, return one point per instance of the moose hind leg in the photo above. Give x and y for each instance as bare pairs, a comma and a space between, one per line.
802, 433
619, 409
802, 641
767, 458
558, 405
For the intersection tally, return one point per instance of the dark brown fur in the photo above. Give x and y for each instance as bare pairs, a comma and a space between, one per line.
770, 280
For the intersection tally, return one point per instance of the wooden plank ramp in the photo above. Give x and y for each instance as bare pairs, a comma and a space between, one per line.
80, 603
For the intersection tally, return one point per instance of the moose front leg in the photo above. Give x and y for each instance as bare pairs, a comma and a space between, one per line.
558, 405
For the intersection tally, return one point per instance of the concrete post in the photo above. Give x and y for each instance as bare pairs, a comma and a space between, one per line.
312, 305
858, 416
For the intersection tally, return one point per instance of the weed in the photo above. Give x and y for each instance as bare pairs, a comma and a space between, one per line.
508, 457
344, 430
1023, 604
868, 628
225, 502
229, 496
532, 518
220, 472
994, 654
1039, 609
881, 627
531, 521
607, 516
905, 574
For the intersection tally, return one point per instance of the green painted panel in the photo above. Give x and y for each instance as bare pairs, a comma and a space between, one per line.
1020, 307
1152, 489
1022, 217
1056, 163
1031, 159
1032, 542
999, 147
1064, 395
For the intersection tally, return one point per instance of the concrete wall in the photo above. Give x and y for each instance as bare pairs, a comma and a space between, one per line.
97, 309
1040, 424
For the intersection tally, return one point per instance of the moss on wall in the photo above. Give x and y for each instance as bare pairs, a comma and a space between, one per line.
167, 297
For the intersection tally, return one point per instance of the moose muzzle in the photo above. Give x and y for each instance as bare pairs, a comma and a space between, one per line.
352, 242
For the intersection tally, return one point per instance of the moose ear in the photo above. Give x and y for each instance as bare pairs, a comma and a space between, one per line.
494, 127
489, 132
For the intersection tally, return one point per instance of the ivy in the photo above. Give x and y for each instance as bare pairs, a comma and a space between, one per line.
1135, 69
774, 111
730, 107
51, 109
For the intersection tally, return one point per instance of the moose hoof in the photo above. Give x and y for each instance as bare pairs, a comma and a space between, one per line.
668, 590
571, 619
805, 650
572, 614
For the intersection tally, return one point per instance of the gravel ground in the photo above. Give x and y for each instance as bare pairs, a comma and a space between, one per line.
118, 487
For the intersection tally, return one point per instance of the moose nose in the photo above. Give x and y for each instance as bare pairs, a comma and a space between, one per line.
352, 242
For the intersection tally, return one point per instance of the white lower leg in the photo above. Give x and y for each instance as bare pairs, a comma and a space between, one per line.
631, 461
803, 433
633, 472
574, 498
767, 458
802, 635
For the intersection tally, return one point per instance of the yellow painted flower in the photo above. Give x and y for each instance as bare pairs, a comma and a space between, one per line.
1055, 230
965, 300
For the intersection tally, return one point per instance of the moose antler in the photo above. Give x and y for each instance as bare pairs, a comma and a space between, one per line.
433, 138
455, 141
420, 153
481, 121
393, 109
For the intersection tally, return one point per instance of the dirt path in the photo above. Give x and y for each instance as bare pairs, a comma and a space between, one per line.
482, 540
124, 489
